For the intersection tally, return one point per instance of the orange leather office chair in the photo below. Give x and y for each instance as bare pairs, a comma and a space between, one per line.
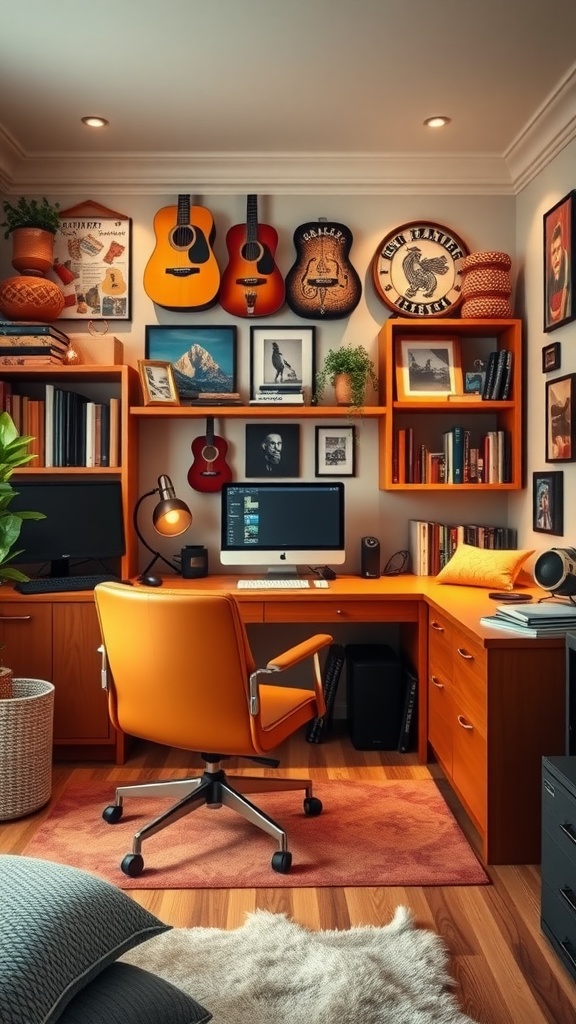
181, 673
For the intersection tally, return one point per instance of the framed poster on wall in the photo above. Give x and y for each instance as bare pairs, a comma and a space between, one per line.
92, 263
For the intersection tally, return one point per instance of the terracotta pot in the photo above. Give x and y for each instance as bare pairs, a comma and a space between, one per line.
6, 676
343, 389
32, 250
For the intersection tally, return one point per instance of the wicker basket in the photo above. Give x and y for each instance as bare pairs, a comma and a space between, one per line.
26, 748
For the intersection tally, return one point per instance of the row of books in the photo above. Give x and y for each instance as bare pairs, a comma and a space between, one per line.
458, 462
498, 380
533, 620
67, 428
32, 344
431, 544
278, 394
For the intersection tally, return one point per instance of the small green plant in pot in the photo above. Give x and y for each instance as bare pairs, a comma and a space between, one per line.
29, 213
353, 362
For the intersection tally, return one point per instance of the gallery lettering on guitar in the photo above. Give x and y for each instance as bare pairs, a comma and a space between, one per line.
252, 284
209, 469
322, 284
182, 272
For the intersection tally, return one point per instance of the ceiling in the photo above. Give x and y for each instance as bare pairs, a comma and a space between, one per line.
284, 95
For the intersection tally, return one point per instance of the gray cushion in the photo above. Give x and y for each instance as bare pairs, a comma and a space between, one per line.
59, 928
124, 994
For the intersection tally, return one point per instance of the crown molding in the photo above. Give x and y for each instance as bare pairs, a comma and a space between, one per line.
549, 130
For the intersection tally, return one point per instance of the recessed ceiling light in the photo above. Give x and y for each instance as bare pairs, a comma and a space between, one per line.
437, 122
94, 122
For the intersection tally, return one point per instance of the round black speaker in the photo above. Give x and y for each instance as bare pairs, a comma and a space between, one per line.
555, 570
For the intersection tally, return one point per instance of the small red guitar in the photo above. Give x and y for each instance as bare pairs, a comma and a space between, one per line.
252, 284
209, 469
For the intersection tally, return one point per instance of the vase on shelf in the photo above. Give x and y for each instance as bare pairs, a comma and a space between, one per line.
343, 389
486, 286
31, 295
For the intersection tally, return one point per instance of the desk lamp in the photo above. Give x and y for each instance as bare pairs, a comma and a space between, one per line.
170, 518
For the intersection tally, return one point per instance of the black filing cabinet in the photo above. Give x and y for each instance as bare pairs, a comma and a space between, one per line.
558, 868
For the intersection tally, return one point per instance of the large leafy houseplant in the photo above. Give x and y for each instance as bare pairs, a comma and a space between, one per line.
13, 454
354, 361
29, 213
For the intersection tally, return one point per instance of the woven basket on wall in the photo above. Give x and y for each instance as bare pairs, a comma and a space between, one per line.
26, 721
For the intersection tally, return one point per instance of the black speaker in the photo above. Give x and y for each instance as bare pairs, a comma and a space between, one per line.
370, 558
194, 562
374, 696
555, 570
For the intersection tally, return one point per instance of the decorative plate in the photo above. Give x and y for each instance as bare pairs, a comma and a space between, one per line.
417, 269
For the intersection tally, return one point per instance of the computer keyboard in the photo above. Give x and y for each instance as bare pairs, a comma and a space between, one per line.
273, 584
64, 584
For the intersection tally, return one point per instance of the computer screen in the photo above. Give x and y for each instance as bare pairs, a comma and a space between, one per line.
282, 525
83, 522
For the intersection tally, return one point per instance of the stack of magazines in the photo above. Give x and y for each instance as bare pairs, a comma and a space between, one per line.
535, 620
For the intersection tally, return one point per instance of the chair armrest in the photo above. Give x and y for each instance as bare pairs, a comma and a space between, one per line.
307, 649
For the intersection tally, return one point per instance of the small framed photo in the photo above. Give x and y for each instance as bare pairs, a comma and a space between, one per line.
158, 384
548, 502
474, 382
559, 234
273, 449
560, 439
551, 357
428, 370
203, 358
335, 451
282, 361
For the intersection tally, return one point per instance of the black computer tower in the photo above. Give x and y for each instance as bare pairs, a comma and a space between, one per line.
374, 696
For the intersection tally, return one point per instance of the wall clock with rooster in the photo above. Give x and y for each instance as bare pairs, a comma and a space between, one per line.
417, 270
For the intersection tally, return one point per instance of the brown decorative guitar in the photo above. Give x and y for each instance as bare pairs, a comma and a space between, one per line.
322, 284
252, 284
209, 469
182, 272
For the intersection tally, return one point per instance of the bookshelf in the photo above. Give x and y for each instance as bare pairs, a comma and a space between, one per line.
430, 418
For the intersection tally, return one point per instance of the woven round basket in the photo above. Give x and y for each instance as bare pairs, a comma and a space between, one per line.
26, 721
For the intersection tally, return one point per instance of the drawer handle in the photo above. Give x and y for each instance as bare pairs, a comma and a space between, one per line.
436, 681
339, 611
568, 895
462, 721
567, 947
568, 830
15, 618
465, 654
437, 627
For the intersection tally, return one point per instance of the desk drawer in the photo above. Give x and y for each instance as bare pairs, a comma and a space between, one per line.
559, 923
469, 680
334, 610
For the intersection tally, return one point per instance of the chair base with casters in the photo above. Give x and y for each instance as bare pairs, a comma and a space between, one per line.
213, 789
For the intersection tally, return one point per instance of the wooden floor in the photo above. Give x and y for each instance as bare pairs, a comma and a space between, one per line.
505, 971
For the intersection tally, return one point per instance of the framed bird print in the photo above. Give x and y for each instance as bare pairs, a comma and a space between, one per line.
417, 270
282, 363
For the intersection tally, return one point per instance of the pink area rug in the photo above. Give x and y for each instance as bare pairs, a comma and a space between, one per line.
394, 833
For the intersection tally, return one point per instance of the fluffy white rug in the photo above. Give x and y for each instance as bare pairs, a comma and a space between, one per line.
273, 971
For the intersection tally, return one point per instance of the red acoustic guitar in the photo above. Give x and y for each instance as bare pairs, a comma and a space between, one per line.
182, 272
209, 469
252, 284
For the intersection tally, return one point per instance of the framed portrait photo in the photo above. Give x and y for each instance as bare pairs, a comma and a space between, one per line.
560, 440
157, 380
551, 357
427, 370
272, 449
335, 451
559, 235
548, 502
203, 358
282, 360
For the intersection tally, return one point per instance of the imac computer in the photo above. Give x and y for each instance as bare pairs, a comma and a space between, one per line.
83, 523
282, 525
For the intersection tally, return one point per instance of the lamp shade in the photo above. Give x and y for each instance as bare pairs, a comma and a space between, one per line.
171, 517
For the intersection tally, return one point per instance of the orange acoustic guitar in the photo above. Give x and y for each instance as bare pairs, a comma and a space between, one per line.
252, 284
209, 469
182, 272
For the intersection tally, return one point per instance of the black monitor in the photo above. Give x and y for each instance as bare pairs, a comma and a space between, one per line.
282, 525
83, 523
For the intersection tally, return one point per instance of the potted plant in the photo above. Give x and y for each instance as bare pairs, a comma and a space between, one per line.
348, 369
13, 453
32, 225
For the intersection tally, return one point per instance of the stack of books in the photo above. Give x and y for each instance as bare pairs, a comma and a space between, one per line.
279, 394
534, 620
31, 344
498, 380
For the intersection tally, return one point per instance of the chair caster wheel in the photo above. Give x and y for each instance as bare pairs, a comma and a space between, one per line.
282, 862
132, 865
112, 814
312, 806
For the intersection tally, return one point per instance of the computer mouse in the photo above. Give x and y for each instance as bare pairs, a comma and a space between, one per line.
150, 580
